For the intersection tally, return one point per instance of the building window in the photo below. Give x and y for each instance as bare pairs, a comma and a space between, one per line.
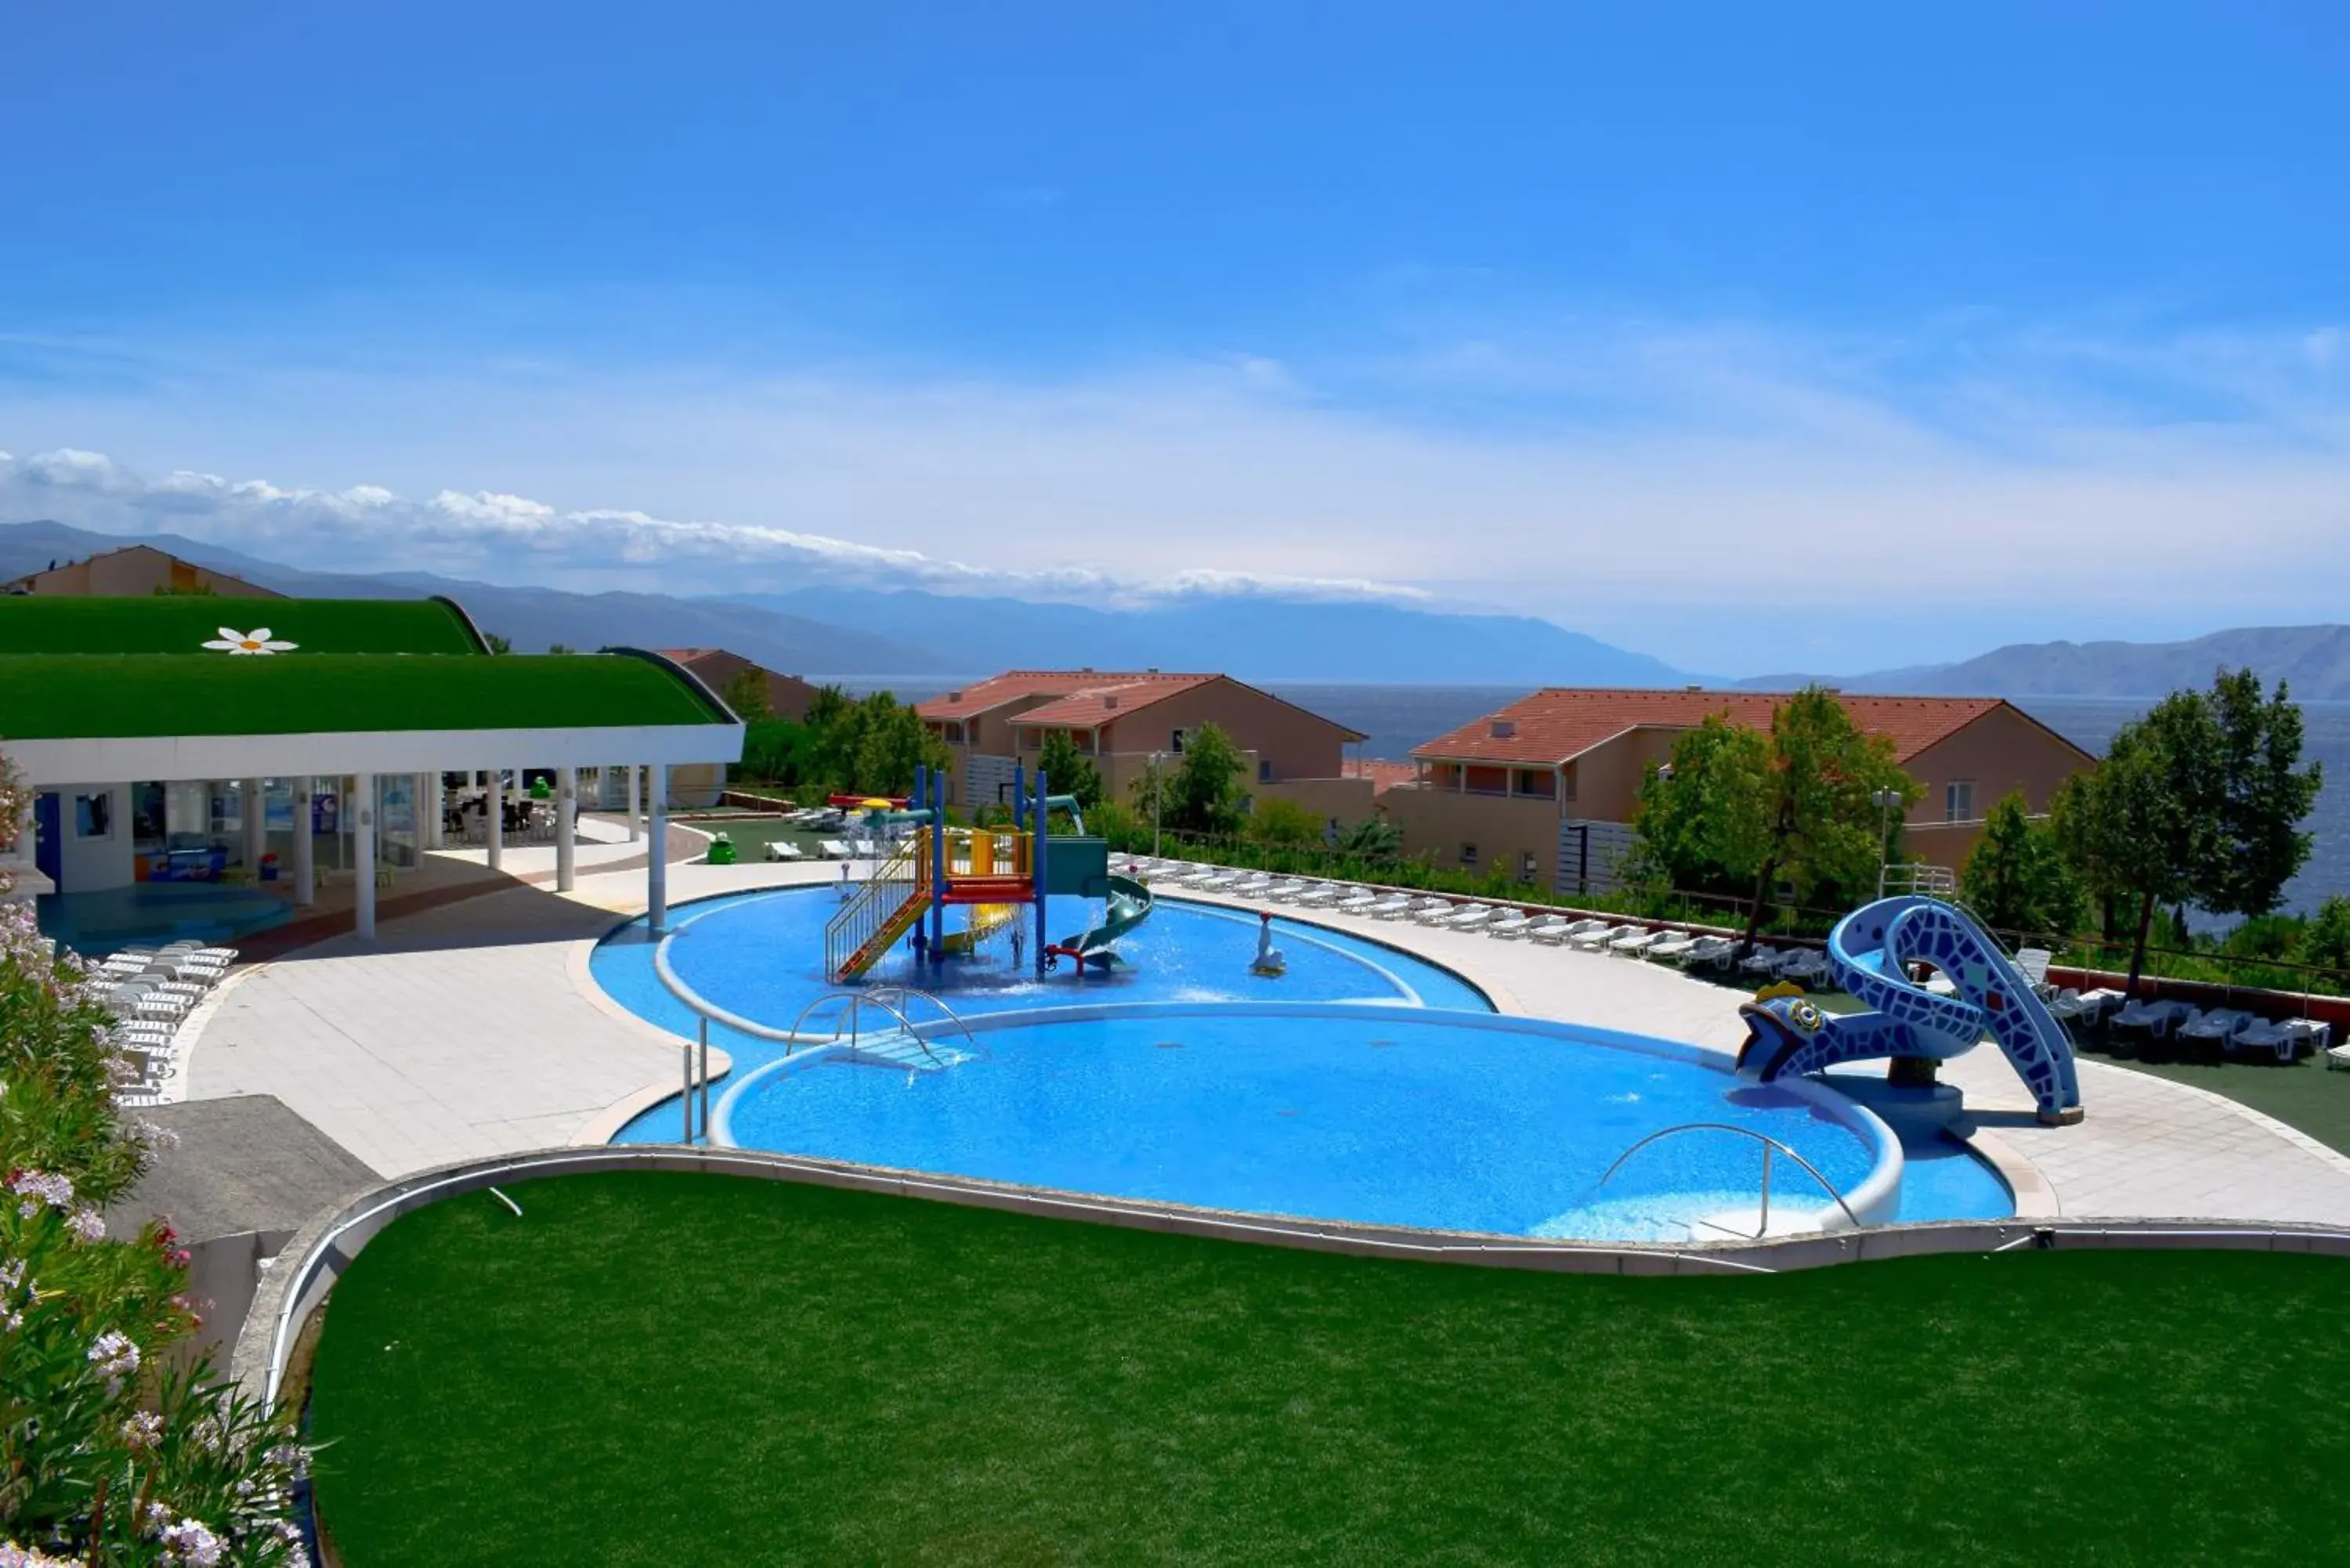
1264, 770
1468, 855
1175, 742
93, 817
1958, 801
1538, 782
954, 734
1526, 866
1489, 781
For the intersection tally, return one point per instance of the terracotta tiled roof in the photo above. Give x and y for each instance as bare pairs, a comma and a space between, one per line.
1551, 726
984, 696
1384, 775
687, 655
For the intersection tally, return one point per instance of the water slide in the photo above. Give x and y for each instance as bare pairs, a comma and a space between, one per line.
1128, 906
1869, 951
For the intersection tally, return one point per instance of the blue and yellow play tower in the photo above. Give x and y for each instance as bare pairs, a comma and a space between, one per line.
998, 874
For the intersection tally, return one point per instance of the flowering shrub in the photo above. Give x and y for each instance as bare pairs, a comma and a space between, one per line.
107, 1455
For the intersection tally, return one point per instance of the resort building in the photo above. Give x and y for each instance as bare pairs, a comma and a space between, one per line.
196, 769
1122, 722
134, 571
1546, 787
788, 696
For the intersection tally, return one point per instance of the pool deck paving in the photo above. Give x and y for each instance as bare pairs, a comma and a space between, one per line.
471, 1029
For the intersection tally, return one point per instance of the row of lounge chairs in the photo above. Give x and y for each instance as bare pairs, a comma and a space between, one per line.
1690, 949
2231, 1030
150, 993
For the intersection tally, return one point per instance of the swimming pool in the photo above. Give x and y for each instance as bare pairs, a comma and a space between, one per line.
1366, 1084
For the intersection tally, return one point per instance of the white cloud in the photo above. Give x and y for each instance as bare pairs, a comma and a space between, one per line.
1730, 499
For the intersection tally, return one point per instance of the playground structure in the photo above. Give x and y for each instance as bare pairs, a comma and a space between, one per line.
1870, 951
999, 875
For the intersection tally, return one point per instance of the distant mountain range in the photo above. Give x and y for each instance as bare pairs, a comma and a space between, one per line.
840, 631
836, 632
2314, 660
1254, 638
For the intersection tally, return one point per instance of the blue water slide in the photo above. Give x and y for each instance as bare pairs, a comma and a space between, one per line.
1870, 951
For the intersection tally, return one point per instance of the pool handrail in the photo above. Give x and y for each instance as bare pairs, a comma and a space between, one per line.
706, 1011
1768, 1143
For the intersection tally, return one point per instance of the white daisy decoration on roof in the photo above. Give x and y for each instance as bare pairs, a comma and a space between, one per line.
258, 640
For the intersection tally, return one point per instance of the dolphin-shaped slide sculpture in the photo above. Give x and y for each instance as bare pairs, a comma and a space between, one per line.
1870, 951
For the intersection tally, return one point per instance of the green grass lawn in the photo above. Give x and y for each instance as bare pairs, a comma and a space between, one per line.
671, 1368
752, 835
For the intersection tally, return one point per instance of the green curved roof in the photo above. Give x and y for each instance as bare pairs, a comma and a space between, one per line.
183, 623
70, 696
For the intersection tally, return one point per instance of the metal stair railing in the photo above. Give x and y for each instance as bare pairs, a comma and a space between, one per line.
879, 899
890, 1000
1770, 1145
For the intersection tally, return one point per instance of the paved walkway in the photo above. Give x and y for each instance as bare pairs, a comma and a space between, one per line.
473, 1029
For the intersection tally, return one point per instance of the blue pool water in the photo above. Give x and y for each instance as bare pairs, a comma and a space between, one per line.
1388, 1117
1942, 1180
1364, 1085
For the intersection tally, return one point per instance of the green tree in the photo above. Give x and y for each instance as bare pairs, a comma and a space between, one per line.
1796, 805
1204, 794
2326, 943
1283, 823
2017, 878
497, 644
2144, 826
1068, 770
560, 647
746, 694
2265, 795
891, 741
777, 751
1372, 839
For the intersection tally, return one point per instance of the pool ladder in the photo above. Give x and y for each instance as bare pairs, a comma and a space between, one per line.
1770, 1145
894, 1001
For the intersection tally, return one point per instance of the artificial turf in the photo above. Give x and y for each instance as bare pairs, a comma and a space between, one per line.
676, 1368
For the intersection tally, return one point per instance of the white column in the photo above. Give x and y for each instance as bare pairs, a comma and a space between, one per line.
495, 818
566, 819
656, 849
362, 801
305, 871
634, 805
256, 827
425, 791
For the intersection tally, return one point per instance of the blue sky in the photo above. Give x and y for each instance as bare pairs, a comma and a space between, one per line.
1633, 317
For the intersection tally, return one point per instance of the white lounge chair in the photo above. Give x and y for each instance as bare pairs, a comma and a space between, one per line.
1805, 966
785, 850
833, 849
1762, 960
2068, 1006
1362, 901
2033, 964
1636, 944
1286, 892
2262, 1034
1512, 925
1318, 898
1393, 906
1473, 917
1426, 911
1670, 947
2156, 1018
1595, 940
1550, 930
1251, 888
2219, 1025
1710, 953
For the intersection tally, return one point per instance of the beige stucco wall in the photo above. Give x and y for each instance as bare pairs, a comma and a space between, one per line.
1299, 745
137, 572
2001, 751
1437, 822
1340, 800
